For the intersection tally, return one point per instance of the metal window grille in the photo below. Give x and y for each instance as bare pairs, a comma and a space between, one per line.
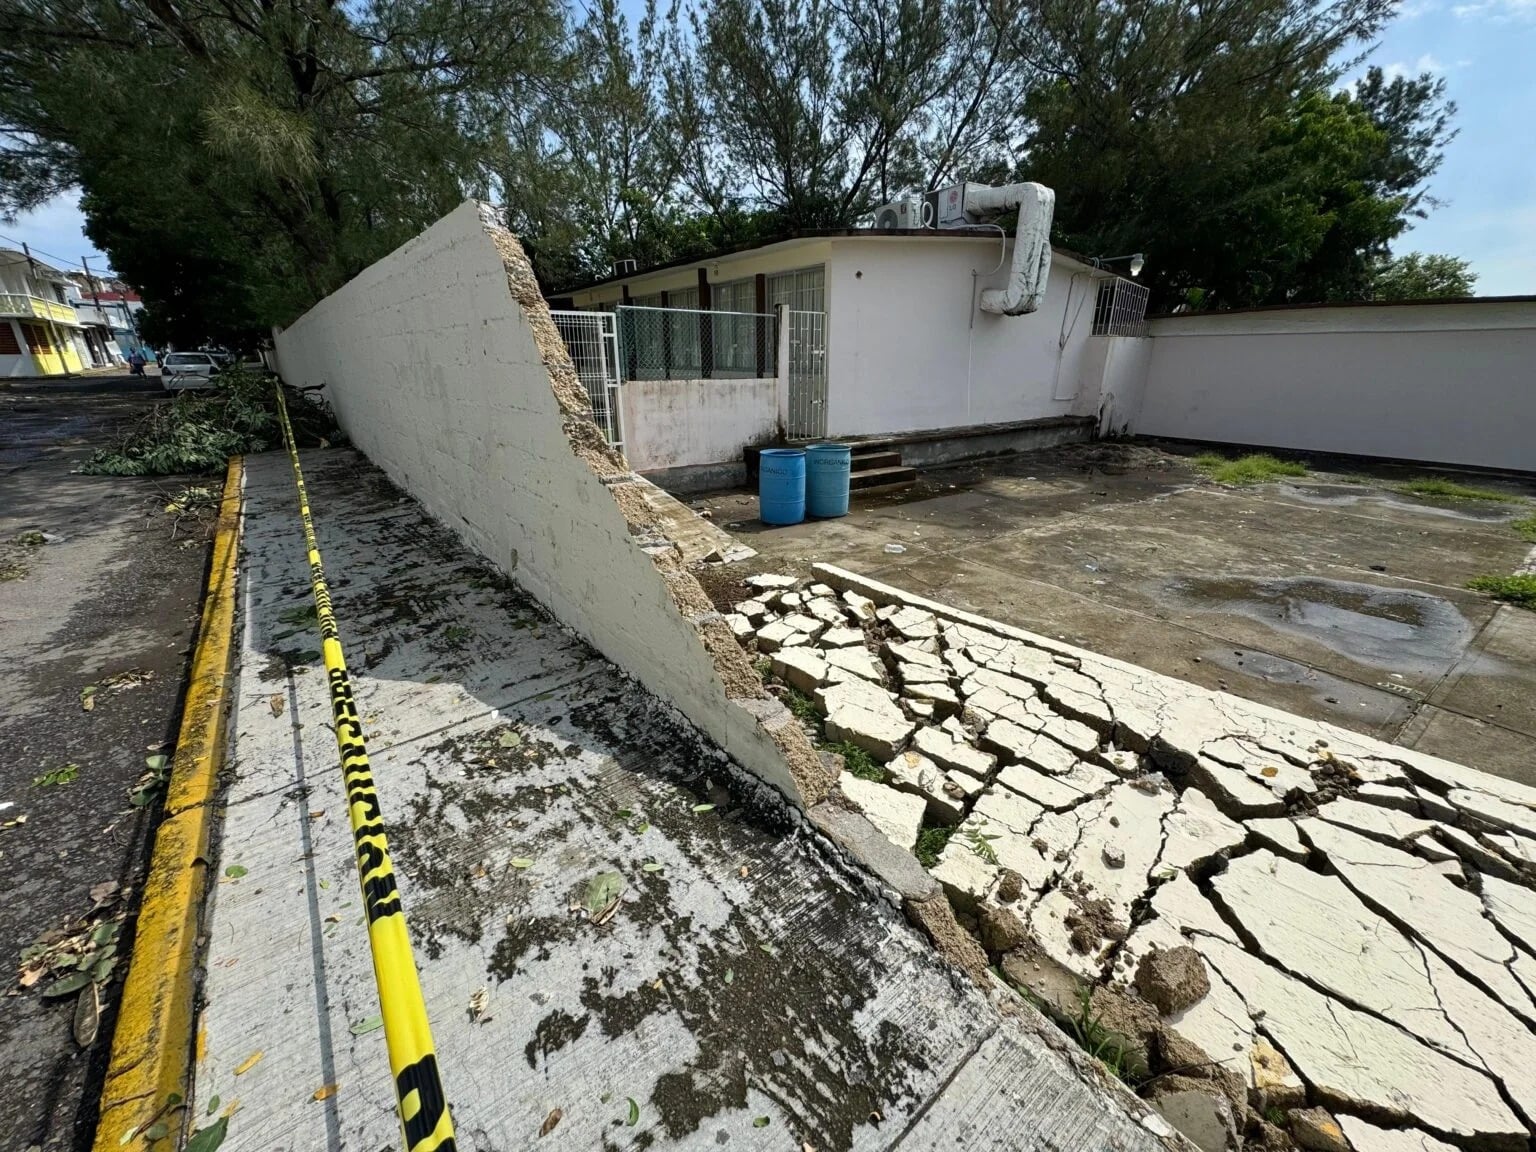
1121, 309
807, 375
591, 338
689, 344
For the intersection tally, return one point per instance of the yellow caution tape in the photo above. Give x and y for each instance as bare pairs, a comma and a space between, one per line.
423, 1106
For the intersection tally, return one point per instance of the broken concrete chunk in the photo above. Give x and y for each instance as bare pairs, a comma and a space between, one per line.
800, 622
1494, 812
861, 606
825, 610
1000, 806
940, 698
915, 624
740, 626
1075, 735
753, 610
796, 640
1172, 979
1057, 792
1321, 1036
801, 668
921, 674
767, 581
886, 612
822, 590
1014, 850
1202, 1114
1364, 1136
1196, 830
1317, 1131
1028, 747
986, 678
864, 714
1279, 834
771, 637
915, 773
855, 660
1233, 791
1389, 824
1409, 890
963, 785
913, 654
950, 753
960, 664
919, 710
842, 638
1388, 796
899, 815
789, 601
1273, 770
1275, 1082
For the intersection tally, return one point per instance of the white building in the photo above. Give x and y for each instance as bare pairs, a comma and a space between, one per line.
884, 334
39, 333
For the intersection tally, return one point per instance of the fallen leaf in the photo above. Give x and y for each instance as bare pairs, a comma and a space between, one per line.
317, 813
550, 1121
367, 1025
333, 919
634, 1112
208, 1139
703, 808
14, 823
87, 1016
603, 890
275, 702
760, 1122
326, 1093
30, 976
521, 862
651, 866
235, 871
509, 739
643, 828
157, 762
477, 1001
248, 1063
157, 1131
64, 986
730, 975
744, 871
88, 697
623, 813
213, 1105
768, 948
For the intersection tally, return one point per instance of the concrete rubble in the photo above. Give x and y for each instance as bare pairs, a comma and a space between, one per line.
1328, 942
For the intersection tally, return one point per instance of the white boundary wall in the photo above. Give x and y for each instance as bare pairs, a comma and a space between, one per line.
444, 367
681, 423
1447, 383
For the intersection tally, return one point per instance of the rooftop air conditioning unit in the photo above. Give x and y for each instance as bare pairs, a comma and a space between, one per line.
908, 212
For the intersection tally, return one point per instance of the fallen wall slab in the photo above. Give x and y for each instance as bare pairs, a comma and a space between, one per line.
443, 365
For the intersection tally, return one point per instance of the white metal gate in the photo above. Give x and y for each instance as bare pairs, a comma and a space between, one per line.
593, 343
807, 375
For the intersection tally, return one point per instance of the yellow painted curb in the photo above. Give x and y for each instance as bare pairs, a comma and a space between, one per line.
152, 1044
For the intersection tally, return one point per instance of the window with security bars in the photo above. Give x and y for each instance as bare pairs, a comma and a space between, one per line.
1120, 309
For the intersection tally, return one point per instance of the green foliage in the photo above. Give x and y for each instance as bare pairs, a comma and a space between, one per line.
1416, 276
980, 843
1525, 527
1258, 468
930, 844
802, 706
199, 430
1434, 486
857, 761
1103, 1044
1519, 589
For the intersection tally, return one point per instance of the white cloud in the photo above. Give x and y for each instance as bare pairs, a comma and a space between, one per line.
1413, 9
1496, 10
1425, 63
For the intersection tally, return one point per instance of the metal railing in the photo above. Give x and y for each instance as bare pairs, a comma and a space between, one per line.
689, 344
591, 339
807, 416
1121, 309
19, 304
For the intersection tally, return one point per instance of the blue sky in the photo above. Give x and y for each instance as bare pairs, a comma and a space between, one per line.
1485, 49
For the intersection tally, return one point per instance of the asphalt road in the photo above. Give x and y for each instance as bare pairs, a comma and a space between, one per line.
113, 607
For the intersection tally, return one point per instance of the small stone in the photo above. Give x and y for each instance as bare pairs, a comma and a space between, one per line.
1001, 930
1010, 886
1315, 1129
1172, 978
1113, 857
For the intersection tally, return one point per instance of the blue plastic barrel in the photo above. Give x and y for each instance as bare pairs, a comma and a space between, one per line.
781, 485
827, 469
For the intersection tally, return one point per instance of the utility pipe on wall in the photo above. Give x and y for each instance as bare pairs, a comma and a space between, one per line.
1031, 266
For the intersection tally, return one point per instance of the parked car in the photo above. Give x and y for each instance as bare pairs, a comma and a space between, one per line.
188, 370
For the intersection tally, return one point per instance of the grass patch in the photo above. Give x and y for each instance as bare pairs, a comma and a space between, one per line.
1519, 589
1435, 487
930, 843
1104, 1045
1257, 468
858, 762
1525, 527
801, 705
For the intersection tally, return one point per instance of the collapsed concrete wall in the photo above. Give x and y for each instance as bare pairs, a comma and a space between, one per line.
444, 366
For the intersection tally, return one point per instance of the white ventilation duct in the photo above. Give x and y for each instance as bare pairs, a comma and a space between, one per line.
1031, 265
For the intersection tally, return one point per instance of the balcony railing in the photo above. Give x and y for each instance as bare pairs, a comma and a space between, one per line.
15, 304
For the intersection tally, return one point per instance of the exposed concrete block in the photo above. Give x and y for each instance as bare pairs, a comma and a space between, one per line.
950, 753
800, 622
841, 638
856, 660
907, 653
772, 637
898, 815
826, 610
915, 624
739, 625
767, 581
801, 668
861, 606
915, 773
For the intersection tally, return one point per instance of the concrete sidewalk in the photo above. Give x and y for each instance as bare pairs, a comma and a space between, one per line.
748, 991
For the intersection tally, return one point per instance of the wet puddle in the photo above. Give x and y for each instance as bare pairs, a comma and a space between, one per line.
1342, 495
1389, 628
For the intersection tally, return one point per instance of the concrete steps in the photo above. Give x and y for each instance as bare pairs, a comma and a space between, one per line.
881, 471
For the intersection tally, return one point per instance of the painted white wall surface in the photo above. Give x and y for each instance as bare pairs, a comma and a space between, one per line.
786, 256
19, 364
437, 372
1124, 381
909, 349
677, 423
1449, 383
